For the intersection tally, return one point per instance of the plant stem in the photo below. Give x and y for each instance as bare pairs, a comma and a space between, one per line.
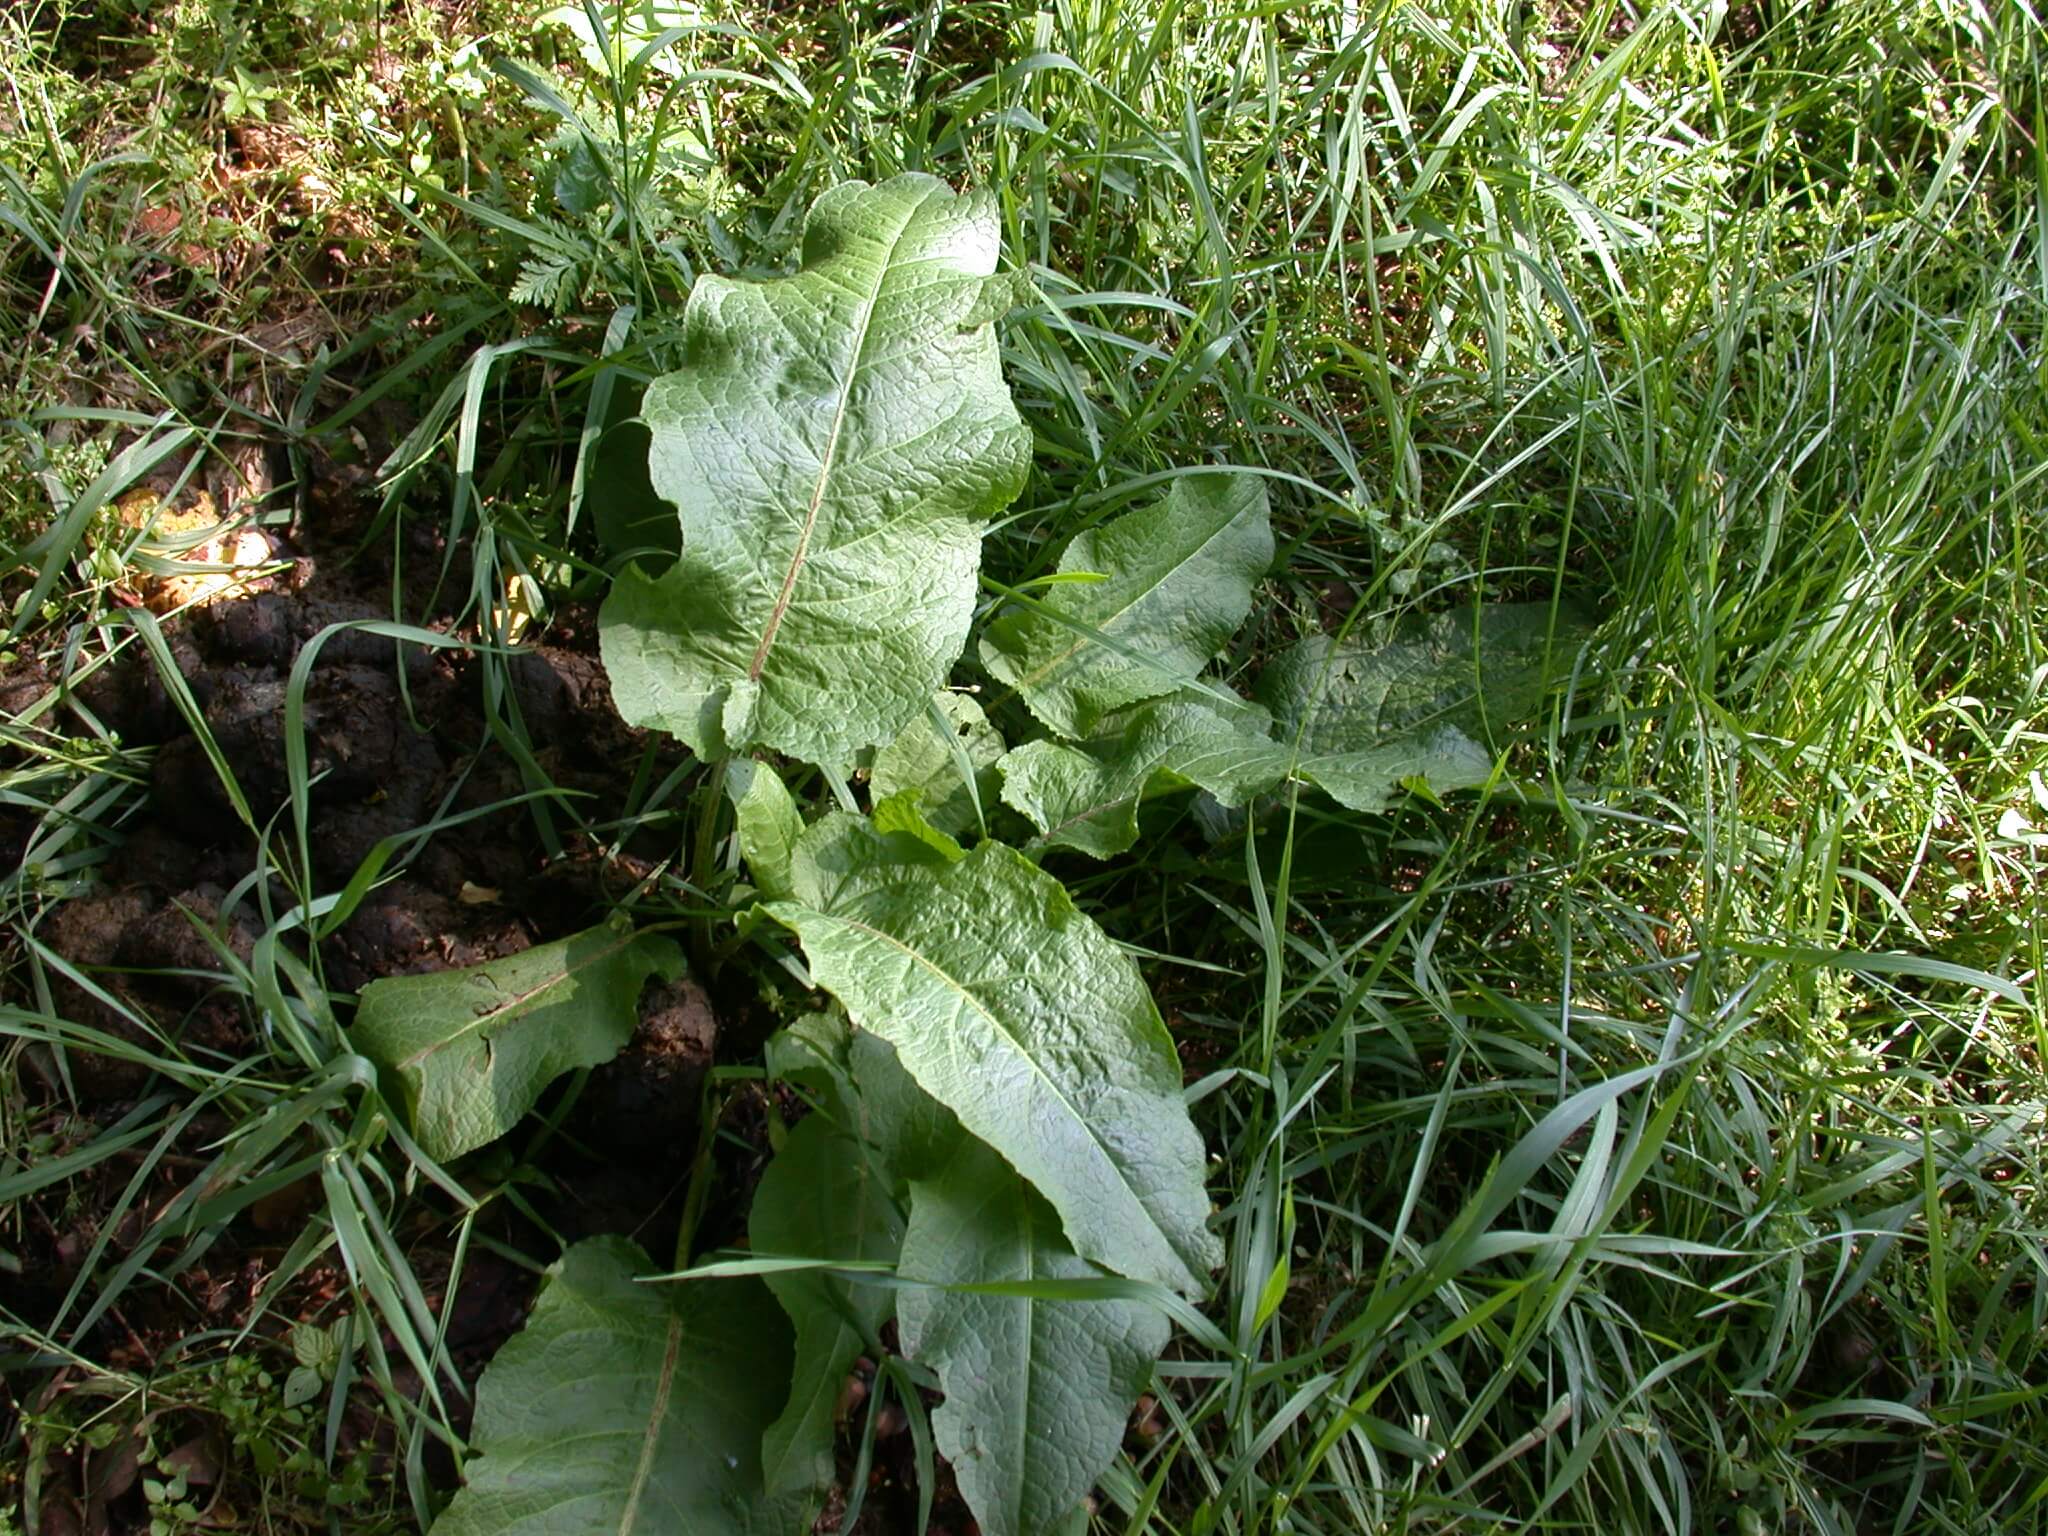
703, 849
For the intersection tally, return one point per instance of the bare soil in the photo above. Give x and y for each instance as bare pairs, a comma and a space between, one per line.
395, 734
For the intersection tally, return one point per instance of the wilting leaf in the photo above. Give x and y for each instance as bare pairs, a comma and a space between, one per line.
631, 1409
1085, 796
834, 442
466, 1053
1178, 582
1477, 669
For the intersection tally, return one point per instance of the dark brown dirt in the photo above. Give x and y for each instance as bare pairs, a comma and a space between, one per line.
145, 950
648, 1095
395, 736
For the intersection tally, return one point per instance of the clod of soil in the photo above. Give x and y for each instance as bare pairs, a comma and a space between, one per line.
147, 952
643, 1104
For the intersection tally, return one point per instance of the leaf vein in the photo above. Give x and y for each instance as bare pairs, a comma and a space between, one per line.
663, 1386
515, 1002
803, 539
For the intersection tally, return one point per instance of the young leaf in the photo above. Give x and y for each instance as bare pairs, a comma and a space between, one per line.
466, 1053
925, 760
769, 824
1179, 577
835, 442
824, 1197
899, 816
629, 1409
811, 1052
1009, 1006
1038, 1390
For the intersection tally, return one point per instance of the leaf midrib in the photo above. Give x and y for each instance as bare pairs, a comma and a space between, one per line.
1059, 1094
664, 1385
801, 553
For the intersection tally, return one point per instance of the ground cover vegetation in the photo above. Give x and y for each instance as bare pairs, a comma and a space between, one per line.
974, 767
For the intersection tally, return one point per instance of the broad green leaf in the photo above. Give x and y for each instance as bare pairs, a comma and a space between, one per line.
1372, 779
1357, 722
840, 854
627, 514
1037, 1391
911, 1131
1085, 796
825, 1196
837, 1191
769, 825
811, 1051
1009, 1006
929, 762
627, 1408
899, 815
834, 442
859, 1083
1369, 718
1178, 582
1477, 669
466, 1053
